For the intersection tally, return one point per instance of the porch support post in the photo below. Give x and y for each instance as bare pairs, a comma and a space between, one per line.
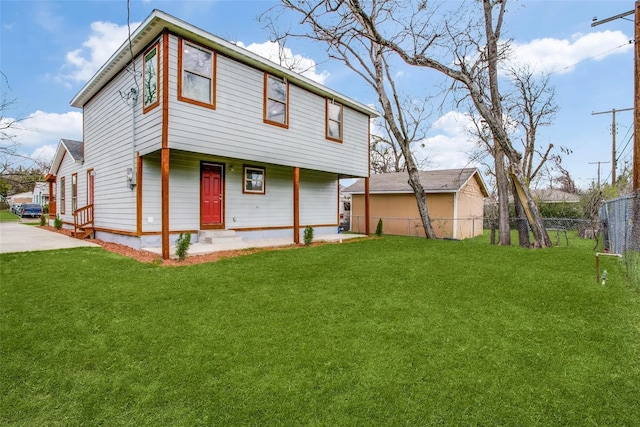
296, 205
51, 179
367, 213
138, 194
164, 153
165, 202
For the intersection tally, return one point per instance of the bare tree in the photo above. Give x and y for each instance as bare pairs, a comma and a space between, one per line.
469, 44
385, 152
18, 172
370, 60
532, 106
487, 148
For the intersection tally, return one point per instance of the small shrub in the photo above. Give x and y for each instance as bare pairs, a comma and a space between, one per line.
57, 223
43, 220
379, 228
45, 208
308, 235
182, 245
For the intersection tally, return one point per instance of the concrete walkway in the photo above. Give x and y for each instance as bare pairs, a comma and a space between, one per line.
16, 237
207, 248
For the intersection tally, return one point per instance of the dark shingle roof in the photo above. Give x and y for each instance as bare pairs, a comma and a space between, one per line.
75, 148
435, 181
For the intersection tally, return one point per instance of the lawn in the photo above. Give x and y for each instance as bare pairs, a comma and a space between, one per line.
6, 216
390, 331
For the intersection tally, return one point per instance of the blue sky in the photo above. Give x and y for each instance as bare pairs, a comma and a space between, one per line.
49, 49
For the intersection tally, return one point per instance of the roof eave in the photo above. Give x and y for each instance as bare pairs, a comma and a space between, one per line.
158, 21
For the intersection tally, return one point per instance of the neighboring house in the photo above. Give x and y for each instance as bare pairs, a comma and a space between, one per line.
454, 200
208, 136
41, 193
20, 198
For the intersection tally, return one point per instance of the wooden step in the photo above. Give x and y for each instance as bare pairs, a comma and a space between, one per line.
83, 233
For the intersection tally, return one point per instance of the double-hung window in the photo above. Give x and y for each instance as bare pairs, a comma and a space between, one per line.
150, 75
276, 101
62, 195
254, 180
74, 192
196, 80
334, 121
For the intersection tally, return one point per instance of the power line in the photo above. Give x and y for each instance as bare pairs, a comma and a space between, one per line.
590, 58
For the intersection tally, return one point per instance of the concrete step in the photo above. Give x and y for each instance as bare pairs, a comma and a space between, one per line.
218, 236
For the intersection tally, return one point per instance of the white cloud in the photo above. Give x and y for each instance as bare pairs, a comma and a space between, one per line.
44, 154
285, 57
104, 40
450, 146
41, 128
556, 55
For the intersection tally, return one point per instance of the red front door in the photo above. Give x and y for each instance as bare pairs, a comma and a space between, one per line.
211, 192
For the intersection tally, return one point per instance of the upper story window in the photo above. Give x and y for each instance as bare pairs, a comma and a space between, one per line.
196, 79
334, 120
276, 101
150, 73
253, 180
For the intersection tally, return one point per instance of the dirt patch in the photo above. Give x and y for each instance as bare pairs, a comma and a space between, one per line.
150, 257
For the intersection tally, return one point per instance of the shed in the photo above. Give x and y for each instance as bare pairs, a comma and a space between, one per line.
454, 199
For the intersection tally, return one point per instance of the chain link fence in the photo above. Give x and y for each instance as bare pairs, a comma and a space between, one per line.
617, 228
558, 228
445, 228
615, 216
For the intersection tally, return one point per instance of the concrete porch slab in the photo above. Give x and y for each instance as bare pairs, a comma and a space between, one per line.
207, 248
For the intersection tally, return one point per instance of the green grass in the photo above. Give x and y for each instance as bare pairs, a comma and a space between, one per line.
390, 331
6, 216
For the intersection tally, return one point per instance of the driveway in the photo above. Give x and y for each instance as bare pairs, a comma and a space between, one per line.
16, 237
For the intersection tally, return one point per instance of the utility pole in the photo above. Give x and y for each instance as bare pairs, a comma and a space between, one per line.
635, 225
614, 163
598, 163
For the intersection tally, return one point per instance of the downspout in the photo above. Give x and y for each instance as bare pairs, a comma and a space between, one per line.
132, 172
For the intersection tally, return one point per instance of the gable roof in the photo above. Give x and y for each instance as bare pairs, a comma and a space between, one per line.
434, 181
158, 21
41, 187
75, 149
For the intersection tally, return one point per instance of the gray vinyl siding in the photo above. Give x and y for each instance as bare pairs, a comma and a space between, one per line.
235, 129
233, 134
318, 198
318, 195
108, 150
66, 170
151, 193
149, 124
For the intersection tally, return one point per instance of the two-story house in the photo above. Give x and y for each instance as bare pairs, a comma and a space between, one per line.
185, 132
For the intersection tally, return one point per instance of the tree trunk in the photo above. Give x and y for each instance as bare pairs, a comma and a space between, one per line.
421, 200
502, 183
536, 224
521, 220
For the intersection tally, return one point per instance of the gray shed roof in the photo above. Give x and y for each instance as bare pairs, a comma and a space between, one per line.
434, 181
